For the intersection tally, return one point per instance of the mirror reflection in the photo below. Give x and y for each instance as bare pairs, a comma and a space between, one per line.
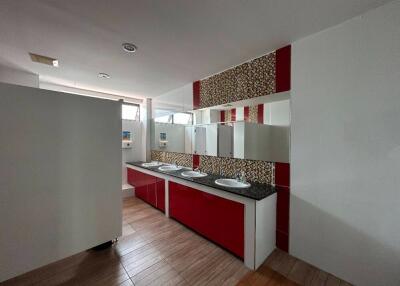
256, 133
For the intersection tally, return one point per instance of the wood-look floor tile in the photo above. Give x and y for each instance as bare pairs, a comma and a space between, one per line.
286, 264
127, 282
332, 281
196, 272
300, 272
239, 270
155, 250
319, 278
160, 273
127, 229
217, 272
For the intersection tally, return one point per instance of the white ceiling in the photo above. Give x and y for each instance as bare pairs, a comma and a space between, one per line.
178, 41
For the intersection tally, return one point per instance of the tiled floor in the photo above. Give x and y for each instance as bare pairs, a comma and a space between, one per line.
281, 268
155, 250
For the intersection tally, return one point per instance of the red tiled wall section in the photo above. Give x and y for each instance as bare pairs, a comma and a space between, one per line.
233, 114
282, 69
246, 113
260, 113
282, 184
196, 161
222, 116
196, 95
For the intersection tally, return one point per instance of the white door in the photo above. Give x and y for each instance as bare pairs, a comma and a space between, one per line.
225, 140
200, 140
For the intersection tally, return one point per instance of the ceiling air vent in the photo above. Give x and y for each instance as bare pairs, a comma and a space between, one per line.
43, 60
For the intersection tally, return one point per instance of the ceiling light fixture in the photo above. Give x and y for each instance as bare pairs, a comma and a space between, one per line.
104, 75
129, 48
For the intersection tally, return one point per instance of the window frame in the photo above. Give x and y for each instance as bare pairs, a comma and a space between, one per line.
137, 116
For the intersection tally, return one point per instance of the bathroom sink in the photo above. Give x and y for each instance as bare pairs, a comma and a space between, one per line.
151, 164
193, 174
170, 168
232, 183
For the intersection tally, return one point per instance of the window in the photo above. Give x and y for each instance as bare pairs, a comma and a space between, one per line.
177, 118
183, 118
131, 112
164, 119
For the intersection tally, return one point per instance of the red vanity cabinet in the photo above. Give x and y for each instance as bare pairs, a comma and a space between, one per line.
160, 192
138, 180
148, 188
224, 222
219, 219
183, 204
151, 191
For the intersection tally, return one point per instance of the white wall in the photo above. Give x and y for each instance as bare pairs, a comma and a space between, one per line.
261, 142
239, 113
277, 113
345, 156
60, 182
206, 116
177, 100
18, 77
212, 139
175, 137
136, 152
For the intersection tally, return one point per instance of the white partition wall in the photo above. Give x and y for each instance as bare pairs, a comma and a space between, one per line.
60, 176
345, 149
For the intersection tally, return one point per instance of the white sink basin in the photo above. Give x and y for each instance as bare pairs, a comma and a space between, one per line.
232, 183
151, 164
169, 168
193, 174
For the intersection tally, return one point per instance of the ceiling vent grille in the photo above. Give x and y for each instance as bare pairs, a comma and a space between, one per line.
43, 60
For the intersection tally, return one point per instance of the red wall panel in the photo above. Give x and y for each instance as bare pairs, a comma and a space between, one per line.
282, 69
233, 114
246, 113
282, 183
222, 116
196, 95
260, 113
196, 161
282, 174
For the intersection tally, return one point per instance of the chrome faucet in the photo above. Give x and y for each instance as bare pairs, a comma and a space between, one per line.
241, 177
221, 171
237, 177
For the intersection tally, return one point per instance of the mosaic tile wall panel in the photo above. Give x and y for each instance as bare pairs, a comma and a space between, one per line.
256, 171
253, 114
181, 159
228, 116
252, 79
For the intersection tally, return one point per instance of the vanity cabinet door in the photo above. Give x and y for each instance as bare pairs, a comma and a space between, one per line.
151, 191
224, 222
220, 220
132, 177
182, 204
138, 180
160, 191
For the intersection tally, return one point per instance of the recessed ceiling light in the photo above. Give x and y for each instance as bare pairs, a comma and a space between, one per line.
129, 48
104, 75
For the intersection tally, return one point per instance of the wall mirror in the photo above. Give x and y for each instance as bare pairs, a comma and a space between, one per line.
255, 132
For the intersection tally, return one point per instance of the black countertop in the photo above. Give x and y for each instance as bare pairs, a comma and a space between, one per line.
256, 191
